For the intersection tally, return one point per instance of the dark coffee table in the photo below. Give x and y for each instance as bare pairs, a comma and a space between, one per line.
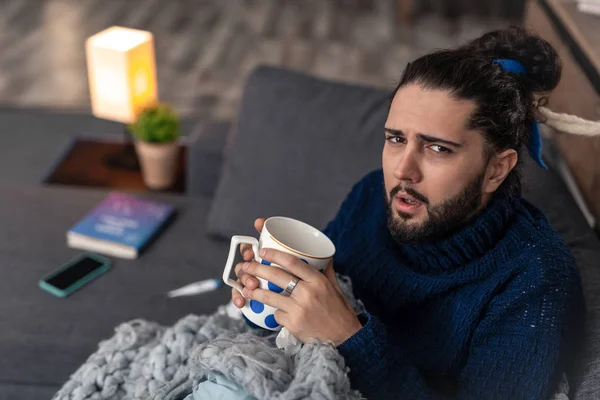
87, 162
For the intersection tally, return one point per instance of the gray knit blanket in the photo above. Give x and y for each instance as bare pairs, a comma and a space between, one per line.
144, 360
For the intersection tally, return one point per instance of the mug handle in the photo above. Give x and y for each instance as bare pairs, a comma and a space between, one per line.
235, 242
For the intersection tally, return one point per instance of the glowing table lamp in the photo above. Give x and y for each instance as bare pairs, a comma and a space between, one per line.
122, 78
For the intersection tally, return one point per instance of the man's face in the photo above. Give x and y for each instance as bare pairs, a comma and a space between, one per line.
433, 165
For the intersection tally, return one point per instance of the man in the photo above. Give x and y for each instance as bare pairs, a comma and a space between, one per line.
469, 292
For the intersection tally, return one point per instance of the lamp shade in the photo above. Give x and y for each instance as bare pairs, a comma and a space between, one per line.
121, 73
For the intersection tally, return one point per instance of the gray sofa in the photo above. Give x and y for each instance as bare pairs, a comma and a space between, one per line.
296, 148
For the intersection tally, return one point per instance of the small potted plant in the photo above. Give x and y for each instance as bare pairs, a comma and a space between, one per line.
156, 131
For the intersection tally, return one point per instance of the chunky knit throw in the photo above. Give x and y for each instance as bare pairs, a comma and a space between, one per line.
144, 360
494, 310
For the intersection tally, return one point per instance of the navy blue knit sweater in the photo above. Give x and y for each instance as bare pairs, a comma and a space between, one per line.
492, 311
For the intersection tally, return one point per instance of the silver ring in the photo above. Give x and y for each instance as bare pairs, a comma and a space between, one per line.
291, 286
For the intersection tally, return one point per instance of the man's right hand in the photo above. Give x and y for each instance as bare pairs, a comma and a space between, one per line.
245, 279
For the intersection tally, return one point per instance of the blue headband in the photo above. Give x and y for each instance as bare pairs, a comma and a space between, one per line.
535, 139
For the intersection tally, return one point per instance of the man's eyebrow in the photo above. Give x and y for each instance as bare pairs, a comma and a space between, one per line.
425, 138
395, 132
431, 139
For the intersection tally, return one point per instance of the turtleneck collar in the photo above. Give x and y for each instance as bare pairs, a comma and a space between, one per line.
466, 244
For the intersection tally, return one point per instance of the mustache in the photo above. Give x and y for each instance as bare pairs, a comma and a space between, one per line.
410, 191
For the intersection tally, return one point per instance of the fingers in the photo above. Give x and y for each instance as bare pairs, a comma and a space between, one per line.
292, 264
244, 278
273, 274
237, 298
270, 298
330, 274
246, 252
245, 248
259, 223
281, 317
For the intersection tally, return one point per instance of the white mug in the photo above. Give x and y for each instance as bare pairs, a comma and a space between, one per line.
288, 235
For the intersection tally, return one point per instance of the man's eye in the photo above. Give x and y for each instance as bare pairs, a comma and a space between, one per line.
395, 139
440, 149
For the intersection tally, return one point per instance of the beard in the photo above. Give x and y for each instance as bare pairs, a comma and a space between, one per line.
441, 219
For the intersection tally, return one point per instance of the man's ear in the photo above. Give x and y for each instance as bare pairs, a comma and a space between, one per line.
498, 169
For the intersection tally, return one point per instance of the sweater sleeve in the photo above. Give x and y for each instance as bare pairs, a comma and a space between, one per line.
518, 351
528, 336
378, 367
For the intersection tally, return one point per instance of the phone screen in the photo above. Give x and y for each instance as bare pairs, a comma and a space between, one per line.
75, 272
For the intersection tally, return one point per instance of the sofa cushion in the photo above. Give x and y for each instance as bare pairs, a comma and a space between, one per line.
586, 376
205, 157
298, 146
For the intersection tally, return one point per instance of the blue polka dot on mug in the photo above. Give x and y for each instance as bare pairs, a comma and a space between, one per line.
271, 322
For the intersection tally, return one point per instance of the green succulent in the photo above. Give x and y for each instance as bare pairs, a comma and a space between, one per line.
157, 124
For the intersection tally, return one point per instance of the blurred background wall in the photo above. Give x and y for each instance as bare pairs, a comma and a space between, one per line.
205, 48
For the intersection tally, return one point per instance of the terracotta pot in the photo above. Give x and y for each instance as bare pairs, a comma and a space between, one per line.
158, 162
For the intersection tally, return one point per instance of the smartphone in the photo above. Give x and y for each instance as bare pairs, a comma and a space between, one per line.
75, 273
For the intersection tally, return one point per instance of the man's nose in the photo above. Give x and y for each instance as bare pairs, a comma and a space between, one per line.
407, 168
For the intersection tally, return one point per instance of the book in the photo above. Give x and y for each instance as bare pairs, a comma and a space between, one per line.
121, 225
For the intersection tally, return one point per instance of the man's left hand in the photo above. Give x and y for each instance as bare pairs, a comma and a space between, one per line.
317, 307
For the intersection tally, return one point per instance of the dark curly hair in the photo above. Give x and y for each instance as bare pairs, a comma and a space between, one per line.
505, 101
